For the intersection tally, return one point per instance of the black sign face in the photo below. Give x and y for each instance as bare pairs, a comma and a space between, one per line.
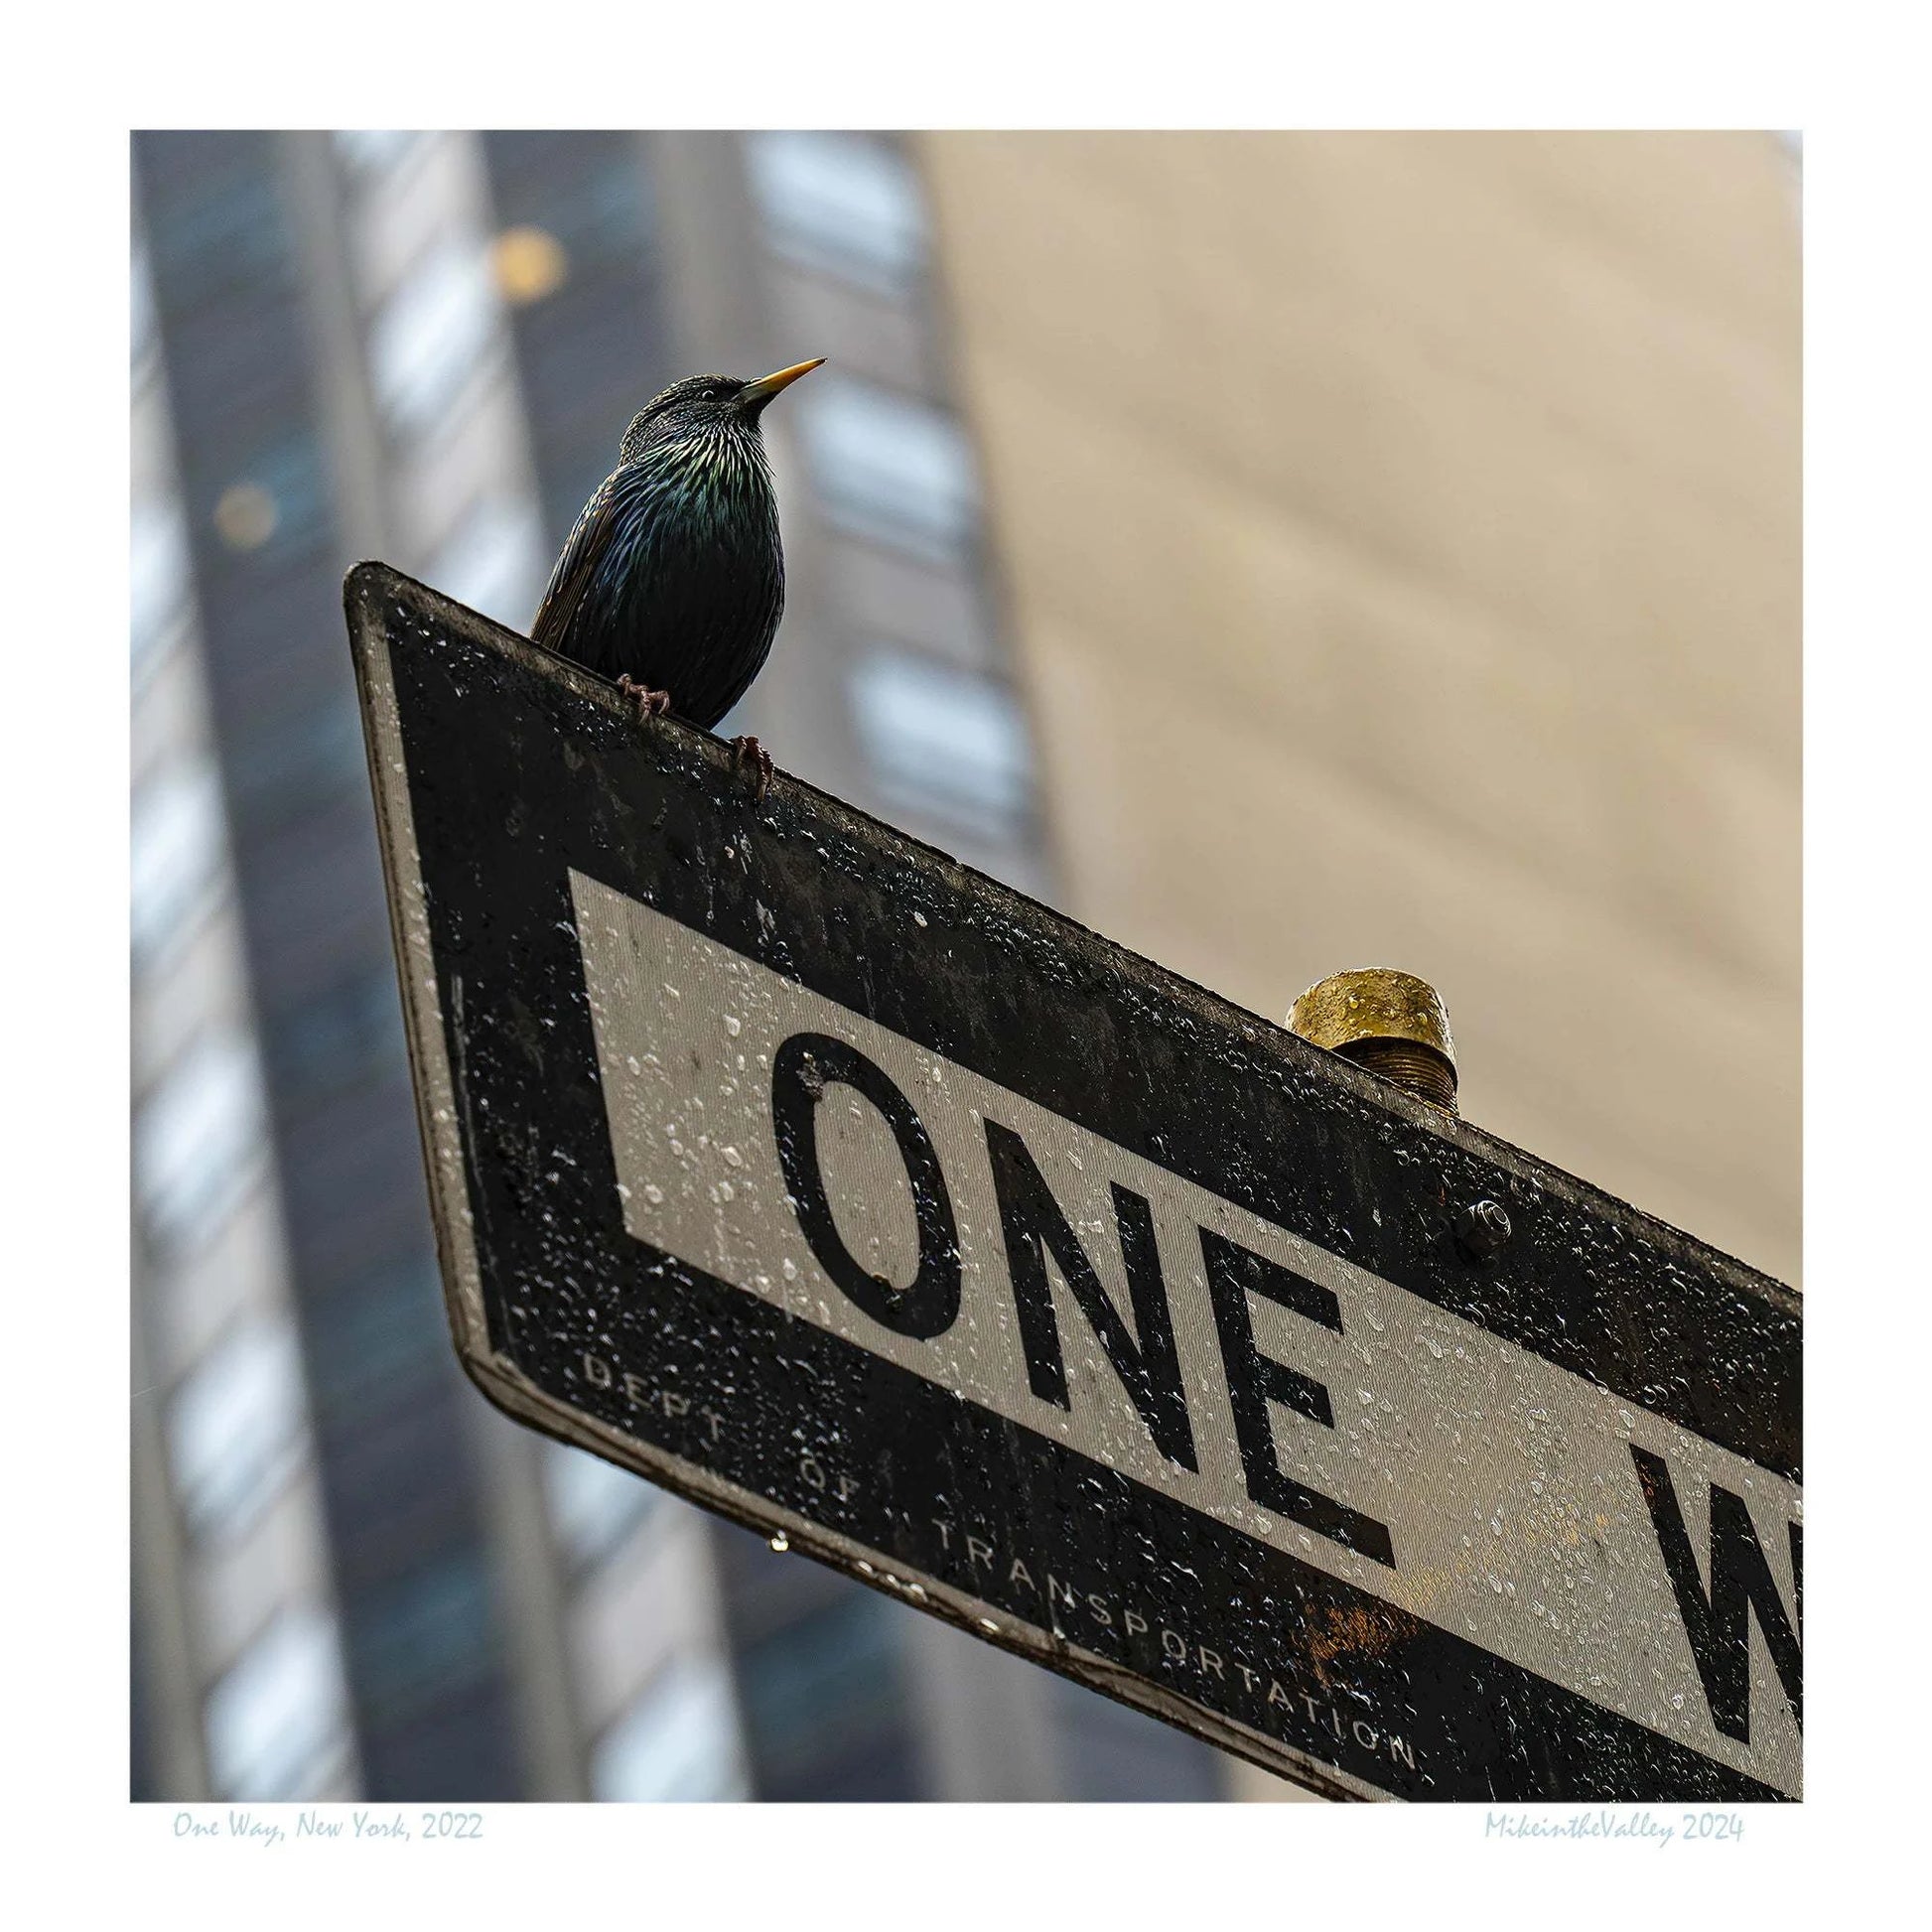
825, 1182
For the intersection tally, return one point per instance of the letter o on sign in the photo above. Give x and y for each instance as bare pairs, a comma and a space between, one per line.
801, 1069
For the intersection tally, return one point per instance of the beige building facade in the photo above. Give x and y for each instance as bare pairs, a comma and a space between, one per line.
1400, 538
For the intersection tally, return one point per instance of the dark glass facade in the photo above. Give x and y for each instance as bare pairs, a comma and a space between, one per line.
428, 346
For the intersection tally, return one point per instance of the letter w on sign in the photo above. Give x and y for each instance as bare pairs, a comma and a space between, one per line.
799, 1167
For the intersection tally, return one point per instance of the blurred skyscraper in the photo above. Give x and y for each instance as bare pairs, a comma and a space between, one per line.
1287, 552
352, 1577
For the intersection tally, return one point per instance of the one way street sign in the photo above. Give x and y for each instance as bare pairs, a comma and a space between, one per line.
835, 1187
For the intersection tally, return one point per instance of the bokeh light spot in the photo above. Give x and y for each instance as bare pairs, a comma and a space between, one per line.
529, 263
245, 516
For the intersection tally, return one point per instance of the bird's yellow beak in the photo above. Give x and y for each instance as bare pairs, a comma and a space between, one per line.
767, 386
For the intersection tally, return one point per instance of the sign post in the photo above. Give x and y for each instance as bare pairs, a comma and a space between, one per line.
808, 1172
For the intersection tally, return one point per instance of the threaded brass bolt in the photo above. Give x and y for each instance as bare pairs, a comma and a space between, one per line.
1390, 1023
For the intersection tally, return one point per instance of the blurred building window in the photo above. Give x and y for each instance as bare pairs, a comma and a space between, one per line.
891, 467
841, 203
678, 1741
605, 216
823, 1690
591, 350
197, 1140
224, 236
590, 189
384, 1337
174, 854
156, 578
275, 1720
338, 1038
286, 764
593, 1503
428, 337
289, 474
373, 150
235, 1428
141, 326
423, 1633
493, 560
944, 741
1109, 1754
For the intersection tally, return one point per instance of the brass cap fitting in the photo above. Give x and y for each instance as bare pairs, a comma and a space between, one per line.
1390, 1023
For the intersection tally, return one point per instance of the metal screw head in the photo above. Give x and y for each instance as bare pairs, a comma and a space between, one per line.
1481, 1228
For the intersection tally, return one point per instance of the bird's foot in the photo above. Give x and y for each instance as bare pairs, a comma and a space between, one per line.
650, 703
748, 750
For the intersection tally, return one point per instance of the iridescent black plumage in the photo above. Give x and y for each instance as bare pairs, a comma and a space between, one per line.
673, 577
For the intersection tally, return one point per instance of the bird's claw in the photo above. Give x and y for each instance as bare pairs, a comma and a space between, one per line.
748, 750
650, 703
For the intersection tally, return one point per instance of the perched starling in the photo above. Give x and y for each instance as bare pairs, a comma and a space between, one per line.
673, 578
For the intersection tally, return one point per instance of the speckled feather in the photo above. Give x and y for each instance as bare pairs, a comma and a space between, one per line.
673, 574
